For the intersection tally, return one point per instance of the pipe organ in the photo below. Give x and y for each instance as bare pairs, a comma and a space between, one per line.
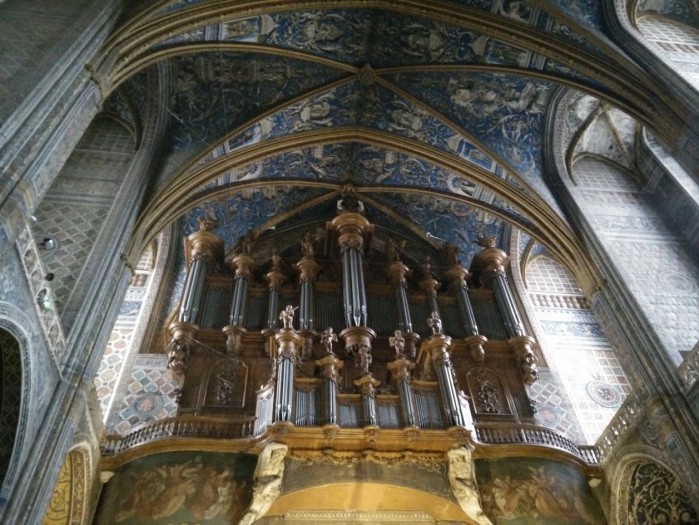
326, 342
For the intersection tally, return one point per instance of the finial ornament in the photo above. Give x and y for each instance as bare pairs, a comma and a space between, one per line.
349, 202
451, 253
327, 338
487, 241
207, 224
245, 244
435, 323
397, 342
286, 316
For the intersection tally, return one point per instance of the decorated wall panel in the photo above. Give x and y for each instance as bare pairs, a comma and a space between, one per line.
522, 491
179, 487
581, 358
650, 493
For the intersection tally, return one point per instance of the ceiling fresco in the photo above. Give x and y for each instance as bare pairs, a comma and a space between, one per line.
269, 107
215, 92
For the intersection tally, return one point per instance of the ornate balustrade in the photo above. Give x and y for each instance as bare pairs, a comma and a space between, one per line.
513, 434
210, 428
180, 427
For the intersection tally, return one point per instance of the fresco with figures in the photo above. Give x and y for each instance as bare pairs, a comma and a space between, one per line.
524, 491
179, 488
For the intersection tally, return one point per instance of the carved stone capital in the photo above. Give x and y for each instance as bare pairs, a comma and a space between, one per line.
330, 367
367, 385
490, 262
204, 245
457, 276
397, 273
429, 285
352, 228
523, 347
308, 269
476, 346
243, 265
180, 347
234, 339
288, 343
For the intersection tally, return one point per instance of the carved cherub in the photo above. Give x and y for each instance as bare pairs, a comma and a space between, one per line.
286, 316
365, 358
327, 338
435, 323
397, 342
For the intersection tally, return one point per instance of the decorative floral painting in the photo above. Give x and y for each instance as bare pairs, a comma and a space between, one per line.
519, 491
179, 488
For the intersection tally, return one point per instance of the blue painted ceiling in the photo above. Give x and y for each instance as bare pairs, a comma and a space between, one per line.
436, 118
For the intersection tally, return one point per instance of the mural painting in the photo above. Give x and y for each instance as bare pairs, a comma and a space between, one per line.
518, 491
179, 488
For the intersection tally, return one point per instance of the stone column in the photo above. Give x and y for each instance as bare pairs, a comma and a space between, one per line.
491, 263
275, 279
458, 277
400, 369
367, 385
351, 227
429, 285
308, 269
288, 344
205, 247
243, 265
436, 350
397, 273
330, 367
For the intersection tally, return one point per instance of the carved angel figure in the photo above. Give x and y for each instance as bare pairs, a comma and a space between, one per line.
286, 316
397, 342
327, 338
435, 323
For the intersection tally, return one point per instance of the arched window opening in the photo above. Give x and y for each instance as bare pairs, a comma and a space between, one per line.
583, 363
10, 397
675, 42
651, 258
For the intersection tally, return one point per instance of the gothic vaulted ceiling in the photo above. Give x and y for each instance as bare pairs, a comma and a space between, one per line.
435, 112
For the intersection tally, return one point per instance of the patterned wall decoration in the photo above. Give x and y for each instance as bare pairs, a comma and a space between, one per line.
149, 396
653, 494
518, 491
553, 407
28, 53
577, 350
654, 261
119, 343
216, 92
67, 503
179, 487
74, 209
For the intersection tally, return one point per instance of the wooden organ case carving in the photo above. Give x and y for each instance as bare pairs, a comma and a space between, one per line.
344, 329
